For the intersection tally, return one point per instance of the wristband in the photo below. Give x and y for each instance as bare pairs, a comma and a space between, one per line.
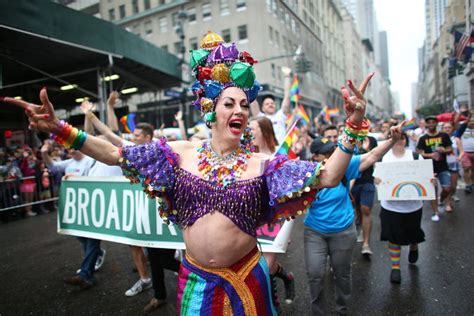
344, 148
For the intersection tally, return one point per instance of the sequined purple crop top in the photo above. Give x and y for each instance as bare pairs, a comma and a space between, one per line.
286, 189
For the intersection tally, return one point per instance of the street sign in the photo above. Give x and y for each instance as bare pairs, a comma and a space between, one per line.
172, 93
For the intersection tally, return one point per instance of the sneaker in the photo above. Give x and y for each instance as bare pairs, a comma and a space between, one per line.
290, 288
138, 287
395, 276
413, 255
31, 214
468, 188
154, 304
360, 236
456, 199
435, 218
77, 280
100, 260
366, 252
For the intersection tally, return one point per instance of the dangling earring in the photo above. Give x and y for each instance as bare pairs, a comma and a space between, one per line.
247, 140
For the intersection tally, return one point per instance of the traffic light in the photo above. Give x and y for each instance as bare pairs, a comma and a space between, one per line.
451, 72
302, 65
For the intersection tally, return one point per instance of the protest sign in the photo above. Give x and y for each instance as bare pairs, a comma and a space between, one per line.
407, 180
110, 208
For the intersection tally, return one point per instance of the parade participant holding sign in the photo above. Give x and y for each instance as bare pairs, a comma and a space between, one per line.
218, 191
329, 224
401, 220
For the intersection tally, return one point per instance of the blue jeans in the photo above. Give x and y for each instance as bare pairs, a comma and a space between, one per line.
317, 248
91, 252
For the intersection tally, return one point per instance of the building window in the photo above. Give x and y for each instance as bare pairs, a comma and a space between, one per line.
122, 11
174, 19
283, 39
226, 35
241, 5
273, 71
146, 4
135, 6
165, 47
111, 14
192, 14
224, 6
148, 28
162, 2
270, 34
277, 38
206, 11
193, 43
163, 24
177, 47
242, 30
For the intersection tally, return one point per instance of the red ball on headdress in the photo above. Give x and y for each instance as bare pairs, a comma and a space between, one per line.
247, 58
204, 73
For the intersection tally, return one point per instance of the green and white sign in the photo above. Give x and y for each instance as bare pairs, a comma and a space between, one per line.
112, 209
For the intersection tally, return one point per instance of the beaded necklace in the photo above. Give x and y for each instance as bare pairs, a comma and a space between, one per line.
222, 171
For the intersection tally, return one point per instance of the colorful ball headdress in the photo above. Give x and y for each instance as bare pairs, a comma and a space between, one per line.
217, 66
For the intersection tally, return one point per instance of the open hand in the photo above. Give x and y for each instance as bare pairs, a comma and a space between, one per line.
41, 117
113, 97
354, 106
87, 107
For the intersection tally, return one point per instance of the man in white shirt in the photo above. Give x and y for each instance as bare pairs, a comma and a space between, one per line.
269, 109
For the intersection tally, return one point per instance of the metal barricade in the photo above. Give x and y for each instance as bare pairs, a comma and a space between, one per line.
12, 198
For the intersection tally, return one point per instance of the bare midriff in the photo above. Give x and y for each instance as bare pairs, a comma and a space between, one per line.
216, 242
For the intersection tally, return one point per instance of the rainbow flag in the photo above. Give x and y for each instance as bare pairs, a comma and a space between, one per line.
128, 122
408, 125
295, 90
302, 115
285, 147
327, 113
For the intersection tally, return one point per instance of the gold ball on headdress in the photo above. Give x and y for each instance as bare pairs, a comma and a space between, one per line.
211, 40
220, 72
206, 105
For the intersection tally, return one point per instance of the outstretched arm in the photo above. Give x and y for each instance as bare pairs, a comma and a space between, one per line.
42, 118
104, 130
336, 165
370, 158
112, 121
87, 108
286, 103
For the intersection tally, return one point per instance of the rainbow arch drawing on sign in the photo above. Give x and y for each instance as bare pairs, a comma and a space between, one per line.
418, 186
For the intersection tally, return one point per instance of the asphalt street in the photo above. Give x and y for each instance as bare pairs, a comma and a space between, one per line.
34, 259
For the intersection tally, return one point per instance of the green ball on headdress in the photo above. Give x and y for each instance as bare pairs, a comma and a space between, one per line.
242, 74
198, 57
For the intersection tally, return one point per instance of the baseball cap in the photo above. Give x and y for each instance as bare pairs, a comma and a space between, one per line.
431, 117
321, 145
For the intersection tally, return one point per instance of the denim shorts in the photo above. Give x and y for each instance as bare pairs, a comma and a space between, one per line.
444, 178
364, 194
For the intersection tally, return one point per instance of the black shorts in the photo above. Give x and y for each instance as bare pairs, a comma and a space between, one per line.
401, 228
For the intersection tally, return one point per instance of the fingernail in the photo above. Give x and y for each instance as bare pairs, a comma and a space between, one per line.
349, 82
343, 87
46, 116
2, 98
44, 88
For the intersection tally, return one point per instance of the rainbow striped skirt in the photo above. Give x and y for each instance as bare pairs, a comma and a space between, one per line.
242, 289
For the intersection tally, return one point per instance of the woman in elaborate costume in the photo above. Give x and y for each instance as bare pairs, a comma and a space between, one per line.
218, 191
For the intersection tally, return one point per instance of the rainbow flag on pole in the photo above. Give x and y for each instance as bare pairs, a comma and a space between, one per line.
285, 147
295, 90
301, 114
327, 113
128, 122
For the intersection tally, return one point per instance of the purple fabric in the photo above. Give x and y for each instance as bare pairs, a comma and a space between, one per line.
284, 190
291, 186
244, 202
223, 53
